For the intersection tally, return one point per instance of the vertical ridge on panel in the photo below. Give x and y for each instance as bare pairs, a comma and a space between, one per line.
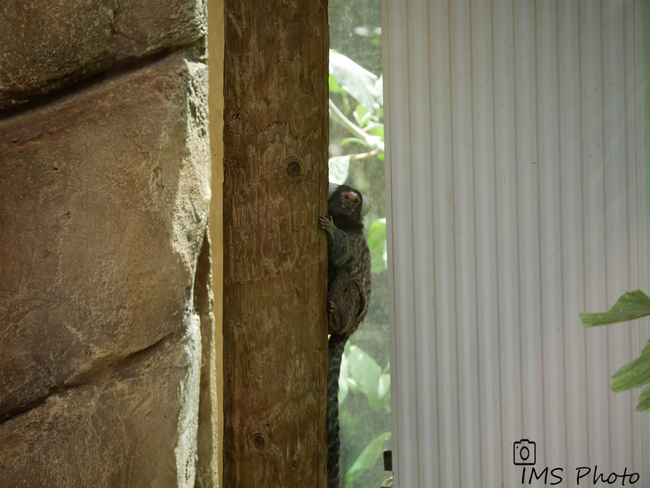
486, 220
508, 341
570, 164
404, 399
482, 279
464, 194
634, 66
423, 236
593, 226
528, 223
631, 347
635, 272
629, 101
444, 303
616, 228
550, 234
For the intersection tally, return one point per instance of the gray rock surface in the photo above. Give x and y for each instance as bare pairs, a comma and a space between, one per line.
135, 426
49, 44
103, 208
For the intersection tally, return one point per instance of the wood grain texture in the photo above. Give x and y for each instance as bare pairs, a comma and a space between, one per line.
275, 258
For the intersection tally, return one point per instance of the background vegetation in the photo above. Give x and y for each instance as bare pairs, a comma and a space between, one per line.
357, 159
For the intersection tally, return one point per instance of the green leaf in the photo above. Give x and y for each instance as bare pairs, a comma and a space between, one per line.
379, 86
384, 386
367, 459
632, 305
366, 374
334, 86
377, 130
356, 140
377, 244
635, 373
362, 116
356, 81
364, 369
644, 399
339, 167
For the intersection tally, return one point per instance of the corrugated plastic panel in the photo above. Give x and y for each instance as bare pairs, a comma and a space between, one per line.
515, 163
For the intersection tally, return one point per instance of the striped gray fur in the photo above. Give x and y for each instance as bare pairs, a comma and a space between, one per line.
348, 297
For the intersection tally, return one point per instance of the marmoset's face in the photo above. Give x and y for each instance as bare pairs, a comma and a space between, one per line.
350, 201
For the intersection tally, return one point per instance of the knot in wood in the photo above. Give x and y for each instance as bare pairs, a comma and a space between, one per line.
259, 441
293, 169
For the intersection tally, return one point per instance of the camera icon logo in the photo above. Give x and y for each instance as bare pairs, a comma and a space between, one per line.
525, 452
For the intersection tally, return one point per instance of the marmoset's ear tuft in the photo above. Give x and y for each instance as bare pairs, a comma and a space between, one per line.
333, 187
365, 205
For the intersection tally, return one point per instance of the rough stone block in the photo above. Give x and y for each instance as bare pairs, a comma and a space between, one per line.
103, 208
134, 426
49, 44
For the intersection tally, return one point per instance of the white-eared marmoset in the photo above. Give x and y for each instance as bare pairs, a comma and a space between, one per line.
348, 295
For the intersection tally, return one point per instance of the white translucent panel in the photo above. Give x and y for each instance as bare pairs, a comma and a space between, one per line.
515, 182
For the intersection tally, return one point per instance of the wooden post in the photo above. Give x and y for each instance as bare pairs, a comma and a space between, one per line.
275, 258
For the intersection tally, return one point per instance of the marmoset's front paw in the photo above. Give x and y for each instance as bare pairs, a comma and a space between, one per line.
325, 222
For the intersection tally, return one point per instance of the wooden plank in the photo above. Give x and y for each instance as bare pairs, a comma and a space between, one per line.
275, 186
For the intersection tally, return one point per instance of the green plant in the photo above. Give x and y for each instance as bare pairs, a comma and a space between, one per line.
362, 128
357, 154
632, 305
352, 85
367, 459
361, 374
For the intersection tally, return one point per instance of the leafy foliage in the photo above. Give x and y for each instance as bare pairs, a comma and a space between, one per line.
356, 158
339, 167
367, 459
377, 245
363, 375
365, 129
362, 125
367, 377
632, 305
348, 77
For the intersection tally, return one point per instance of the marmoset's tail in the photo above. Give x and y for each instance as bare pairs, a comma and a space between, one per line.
336, 346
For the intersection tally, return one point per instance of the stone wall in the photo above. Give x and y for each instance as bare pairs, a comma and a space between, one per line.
104, 256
